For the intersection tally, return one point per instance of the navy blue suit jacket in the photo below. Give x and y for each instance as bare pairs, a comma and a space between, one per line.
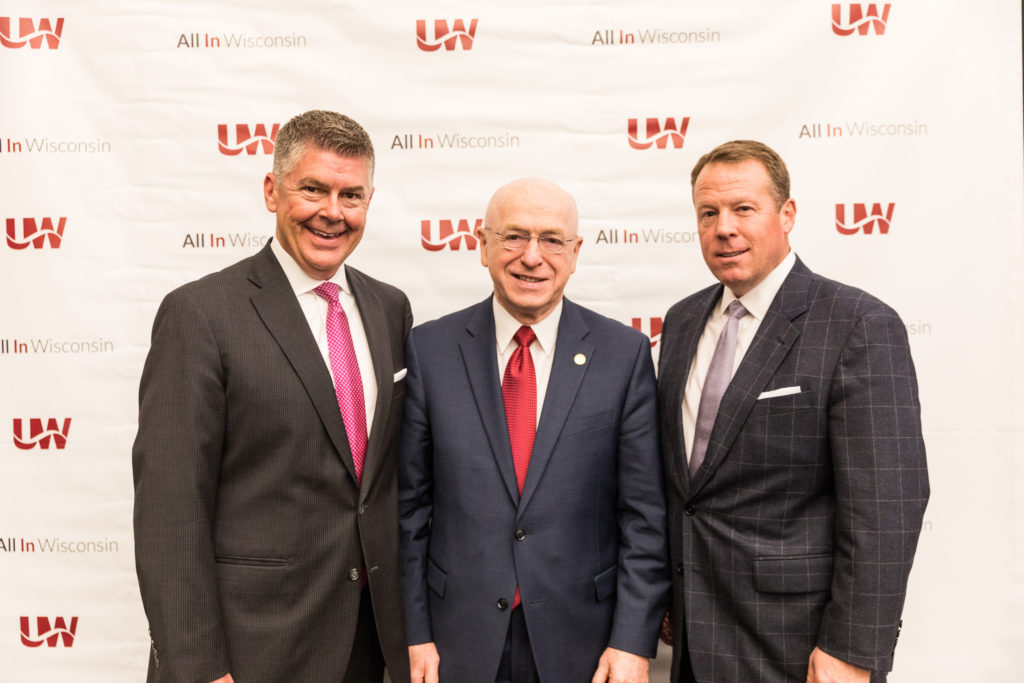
591, 561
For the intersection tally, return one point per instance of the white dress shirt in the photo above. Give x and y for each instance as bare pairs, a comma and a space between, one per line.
314, 308
756, 301
542, 349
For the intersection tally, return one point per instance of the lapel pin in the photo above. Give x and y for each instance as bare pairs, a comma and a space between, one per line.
579, 359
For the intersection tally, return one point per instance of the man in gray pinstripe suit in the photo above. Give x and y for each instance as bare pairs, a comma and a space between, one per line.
795, 505
266, 531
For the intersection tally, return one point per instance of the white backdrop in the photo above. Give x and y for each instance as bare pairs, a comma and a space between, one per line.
125, 174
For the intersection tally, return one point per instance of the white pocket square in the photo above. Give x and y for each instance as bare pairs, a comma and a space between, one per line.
784, 391
400, 375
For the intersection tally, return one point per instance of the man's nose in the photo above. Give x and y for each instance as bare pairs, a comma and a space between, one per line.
726, 225
331, 208
531, 255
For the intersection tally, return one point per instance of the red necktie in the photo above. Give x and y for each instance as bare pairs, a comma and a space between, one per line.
348, 382
519, 389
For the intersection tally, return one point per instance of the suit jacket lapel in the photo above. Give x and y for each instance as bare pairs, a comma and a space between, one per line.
481, 359
563, 383
376, 326
775, 337
688, 329
279, 310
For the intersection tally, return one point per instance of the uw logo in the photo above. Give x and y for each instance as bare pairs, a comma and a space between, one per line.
449, 38
47, 634
657, 134
450, 233
653, 329
864, 221
860, 20
249, 141
36, 235
29, 35
37, 436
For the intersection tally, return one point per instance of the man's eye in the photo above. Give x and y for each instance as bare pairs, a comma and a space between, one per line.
552, 242
514, 239
310, 188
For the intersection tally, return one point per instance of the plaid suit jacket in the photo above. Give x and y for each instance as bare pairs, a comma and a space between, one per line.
799, 528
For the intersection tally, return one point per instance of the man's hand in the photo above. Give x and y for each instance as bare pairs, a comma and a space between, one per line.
824, 668
616, 666
423, 663
224, 679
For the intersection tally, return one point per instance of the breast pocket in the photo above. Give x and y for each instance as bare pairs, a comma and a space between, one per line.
587, 423
783, 405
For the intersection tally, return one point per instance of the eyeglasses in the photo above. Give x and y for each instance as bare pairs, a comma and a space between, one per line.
517, 241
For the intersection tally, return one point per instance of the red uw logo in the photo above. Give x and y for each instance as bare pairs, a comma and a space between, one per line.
49, 634
247, 140
29, 35
451, 233
860, 20
36, 235
658, 134
450, 38
864, 221
38, 436
653, 329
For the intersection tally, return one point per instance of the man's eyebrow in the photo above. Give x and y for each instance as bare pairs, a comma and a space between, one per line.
309, 180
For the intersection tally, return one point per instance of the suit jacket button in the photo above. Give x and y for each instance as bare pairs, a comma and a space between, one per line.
679, 569
362, 509
690, 510
353, 574
502, 604
520, 535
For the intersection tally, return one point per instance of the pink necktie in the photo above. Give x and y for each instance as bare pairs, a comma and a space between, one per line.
348, 383
519, 390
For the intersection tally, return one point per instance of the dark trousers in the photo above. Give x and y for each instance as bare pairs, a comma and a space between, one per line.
517, 665
366, 663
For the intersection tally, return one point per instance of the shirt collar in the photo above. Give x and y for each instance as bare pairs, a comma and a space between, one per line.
299, 281
757, 300
505, 326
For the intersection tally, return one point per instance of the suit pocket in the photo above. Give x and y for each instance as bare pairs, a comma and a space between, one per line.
262, 576
605, 583
587, 423
782, 405
793, 573
437, 578
251, 561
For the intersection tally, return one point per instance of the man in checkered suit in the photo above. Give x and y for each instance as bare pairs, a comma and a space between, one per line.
793, 527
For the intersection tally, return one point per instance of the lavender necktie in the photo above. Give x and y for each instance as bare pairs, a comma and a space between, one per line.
348, 382
717, 380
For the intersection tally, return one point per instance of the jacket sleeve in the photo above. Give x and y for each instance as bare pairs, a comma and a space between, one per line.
415, 500
881, 483
176, 461
643, 575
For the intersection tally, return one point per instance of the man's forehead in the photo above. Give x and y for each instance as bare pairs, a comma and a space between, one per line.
534, 219
748, 175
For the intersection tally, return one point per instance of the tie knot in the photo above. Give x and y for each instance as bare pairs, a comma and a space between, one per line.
328, 290
736, 309
525, 335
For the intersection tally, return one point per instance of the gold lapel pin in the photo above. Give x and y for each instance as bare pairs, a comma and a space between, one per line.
579, 359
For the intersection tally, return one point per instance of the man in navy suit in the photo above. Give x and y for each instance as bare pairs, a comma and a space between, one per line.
531, 521
796, 496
